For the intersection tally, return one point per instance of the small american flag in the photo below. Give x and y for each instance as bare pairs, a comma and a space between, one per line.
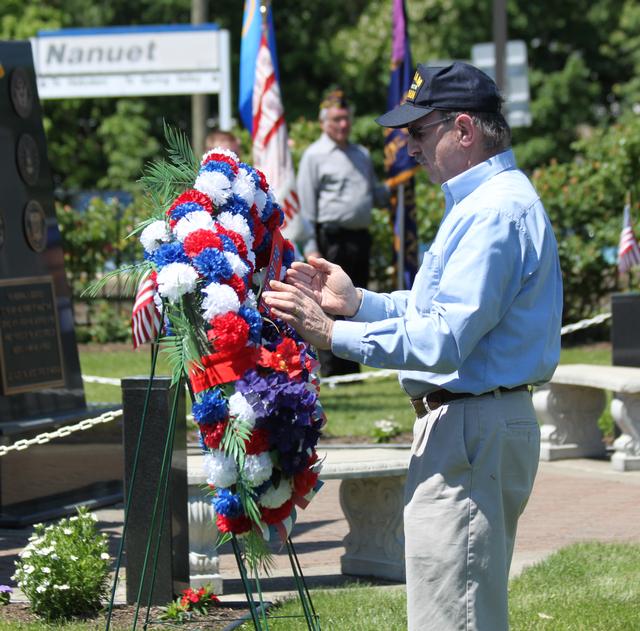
145, 319
628, 249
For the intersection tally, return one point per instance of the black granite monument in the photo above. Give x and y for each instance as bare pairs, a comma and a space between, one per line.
40, 381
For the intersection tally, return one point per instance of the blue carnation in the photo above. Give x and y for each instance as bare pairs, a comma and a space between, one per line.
236, 205
254, 320
221, 167
169, 253
183, 209
213, 264
227, 243
288, 257
211, 408
227, 504
268, 209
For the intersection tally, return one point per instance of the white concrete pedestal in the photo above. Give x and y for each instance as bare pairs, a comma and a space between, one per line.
625, 409
569, 415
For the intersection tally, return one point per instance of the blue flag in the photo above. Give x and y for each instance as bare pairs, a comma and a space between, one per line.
249, 47
399, 165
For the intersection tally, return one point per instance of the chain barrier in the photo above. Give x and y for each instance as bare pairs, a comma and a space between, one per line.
585, 324
44, 438
107, 417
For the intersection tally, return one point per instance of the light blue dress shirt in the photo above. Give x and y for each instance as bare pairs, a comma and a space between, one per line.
485, 308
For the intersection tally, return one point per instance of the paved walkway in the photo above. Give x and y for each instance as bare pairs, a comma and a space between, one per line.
573, 500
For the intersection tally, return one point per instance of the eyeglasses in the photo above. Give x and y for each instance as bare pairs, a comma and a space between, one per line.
418, 133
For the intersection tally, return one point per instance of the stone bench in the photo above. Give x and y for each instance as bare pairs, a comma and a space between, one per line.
371, 497
569, 406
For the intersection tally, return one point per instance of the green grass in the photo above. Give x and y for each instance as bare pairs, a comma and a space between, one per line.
584, 587
352, 408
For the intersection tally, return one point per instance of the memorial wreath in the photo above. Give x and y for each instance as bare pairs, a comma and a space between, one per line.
211, 245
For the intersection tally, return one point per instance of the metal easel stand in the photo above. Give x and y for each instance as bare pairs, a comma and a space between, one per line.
259, 612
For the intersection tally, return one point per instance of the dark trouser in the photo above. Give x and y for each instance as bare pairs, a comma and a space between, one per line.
350, 250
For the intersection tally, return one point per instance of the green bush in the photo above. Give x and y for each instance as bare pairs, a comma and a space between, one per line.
64, 568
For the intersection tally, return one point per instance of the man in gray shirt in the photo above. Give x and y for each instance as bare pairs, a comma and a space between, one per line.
337, 188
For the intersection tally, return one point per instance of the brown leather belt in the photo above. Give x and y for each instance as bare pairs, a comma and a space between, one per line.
435, 399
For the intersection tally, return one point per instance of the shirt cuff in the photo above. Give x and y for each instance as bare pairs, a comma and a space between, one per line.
367, 311
345, 340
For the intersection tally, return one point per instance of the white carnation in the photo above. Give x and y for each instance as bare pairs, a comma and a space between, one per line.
154, 235
251, 258
221, 469
260, 200
219, 299
244, 186
175, 280
41, 588
274, 497
238, 224
197, 220
224, 151
215, 185
258, 468
251, 301
240, 408
238, 266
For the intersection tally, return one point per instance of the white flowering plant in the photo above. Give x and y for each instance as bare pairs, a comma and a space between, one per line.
63, 571
384, 430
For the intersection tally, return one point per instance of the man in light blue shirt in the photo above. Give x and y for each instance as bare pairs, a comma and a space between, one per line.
480, 325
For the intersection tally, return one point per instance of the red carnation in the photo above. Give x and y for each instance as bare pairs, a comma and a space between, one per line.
212, 434
238, 286
258, 442
264, 185
237, 239
229, 332
304, 481
276, 515
198, 240
237, 525
259, 230
275, 220
192, 195
220, 157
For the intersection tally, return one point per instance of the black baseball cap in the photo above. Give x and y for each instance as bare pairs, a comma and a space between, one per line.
458, 87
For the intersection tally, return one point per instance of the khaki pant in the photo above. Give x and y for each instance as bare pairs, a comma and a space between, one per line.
471, 472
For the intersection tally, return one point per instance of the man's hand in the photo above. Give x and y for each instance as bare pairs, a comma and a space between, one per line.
327, 284
301, 311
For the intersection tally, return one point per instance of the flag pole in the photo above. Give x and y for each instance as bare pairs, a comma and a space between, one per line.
401, 237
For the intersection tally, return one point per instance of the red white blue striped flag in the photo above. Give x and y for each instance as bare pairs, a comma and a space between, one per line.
145, 318
628, 249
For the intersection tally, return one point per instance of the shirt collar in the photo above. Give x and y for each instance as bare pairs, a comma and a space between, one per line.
458, 187
329, 144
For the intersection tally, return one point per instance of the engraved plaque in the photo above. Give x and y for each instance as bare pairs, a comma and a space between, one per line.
30, 346
28, 159
21, 92
35, 226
